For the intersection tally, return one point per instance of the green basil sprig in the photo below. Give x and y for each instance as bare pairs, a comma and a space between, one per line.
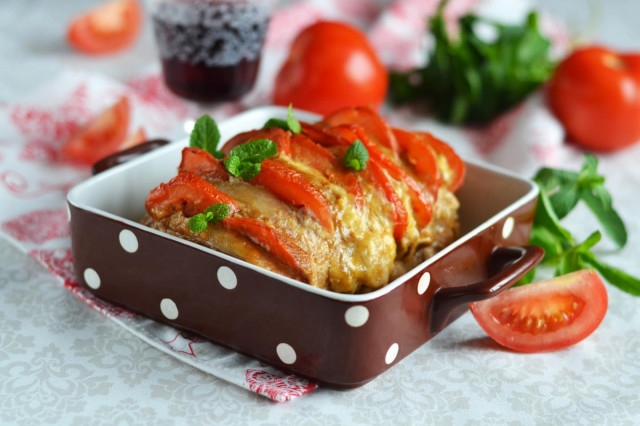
469, 79
560, 192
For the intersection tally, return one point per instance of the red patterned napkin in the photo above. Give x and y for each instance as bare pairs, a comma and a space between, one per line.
34, 180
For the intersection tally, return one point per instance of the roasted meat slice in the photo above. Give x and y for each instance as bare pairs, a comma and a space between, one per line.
305, 215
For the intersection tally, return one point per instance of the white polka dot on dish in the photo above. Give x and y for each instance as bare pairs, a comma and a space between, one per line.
507, 228
356, 316
92, 278
423, 284
128, 241
286, 353
392, 353
169, 309
227, 278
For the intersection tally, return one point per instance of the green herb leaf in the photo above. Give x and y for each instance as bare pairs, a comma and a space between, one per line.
291, 123
356, 156
614, 276
567, 188
276, 122
247, 170
294, 125
212, 214
198, 223
560, 191
468, 79
244, 160
232, 163
217, 212
206, 136
599, 202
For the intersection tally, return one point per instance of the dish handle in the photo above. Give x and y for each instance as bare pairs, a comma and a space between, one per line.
506, 266
125, 155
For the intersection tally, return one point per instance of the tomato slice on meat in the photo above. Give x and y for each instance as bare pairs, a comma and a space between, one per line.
422, 157
292, 187
107, 28
275, 134
320, 158
374, 126
279, 245
187, 192
322, 135
456, 165
100, 137
375, 174
201, 162
421, 200
547, 315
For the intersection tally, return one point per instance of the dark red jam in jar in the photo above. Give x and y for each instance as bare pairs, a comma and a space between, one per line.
210, 49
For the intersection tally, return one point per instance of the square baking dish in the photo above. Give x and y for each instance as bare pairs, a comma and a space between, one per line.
342, 340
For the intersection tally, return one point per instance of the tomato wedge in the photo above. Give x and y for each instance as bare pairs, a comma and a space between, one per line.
279, 245
292, 187
187, 192
134, 139
374, 126
320, 158
456, 165
422, 157
201, 162
100, 137
547, 315
107, 28
275, 134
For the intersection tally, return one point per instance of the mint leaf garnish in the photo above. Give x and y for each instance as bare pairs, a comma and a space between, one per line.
291, 123
244, 160
206, 136
198, 223
356, 156
212, 214
560, 192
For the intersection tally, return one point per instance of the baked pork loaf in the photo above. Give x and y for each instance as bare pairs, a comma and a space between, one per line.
308, 216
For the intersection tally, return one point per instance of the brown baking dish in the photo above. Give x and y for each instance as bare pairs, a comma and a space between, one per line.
343, 340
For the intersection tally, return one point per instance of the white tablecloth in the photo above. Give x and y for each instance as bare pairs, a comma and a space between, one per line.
62, 362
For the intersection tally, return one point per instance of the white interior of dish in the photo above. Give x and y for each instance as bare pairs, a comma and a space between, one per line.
488, 195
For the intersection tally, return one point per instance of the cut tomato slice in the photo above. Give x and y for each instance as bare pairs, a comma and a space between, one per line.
107, 28
422, 158
456, 165
187, 192
279, 245
547, 315
322, 135
134, 139
292, 187
275, 134
375, 174
200, 162
307, 151
100, 137
374, 126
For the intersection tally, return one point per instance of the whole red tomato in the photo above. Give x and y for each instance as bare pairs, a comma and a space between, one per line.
595, 92
331, 65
